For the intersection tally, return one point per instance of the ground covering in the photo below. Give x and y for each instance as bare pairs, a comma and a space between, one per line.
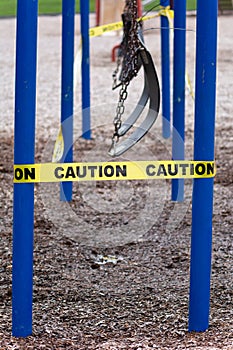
111, 268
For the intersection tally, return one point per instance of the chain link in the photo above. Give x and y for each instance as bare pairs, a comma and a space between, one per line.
120, 110
130, 43
127, 59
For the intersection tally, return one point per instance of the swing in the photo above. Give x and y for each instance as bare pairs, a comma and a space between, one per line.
132, 56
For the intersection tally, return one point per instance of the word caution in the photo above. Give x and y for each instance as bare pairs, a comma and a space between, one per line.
97, 171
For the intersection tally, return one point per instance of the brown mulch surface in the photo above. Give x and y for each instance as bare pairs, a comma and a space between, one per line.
138, 299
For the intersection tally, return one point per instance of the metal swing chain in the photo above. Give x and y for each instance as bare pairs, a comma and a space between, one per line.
128, 58
131, 42
120, 111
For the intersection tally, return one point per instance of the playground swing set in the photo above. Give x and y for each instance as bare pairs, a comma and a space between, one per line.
133, 56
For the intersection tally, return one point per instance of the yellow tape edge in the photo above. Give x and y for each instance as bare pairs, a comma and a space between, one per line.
167, 12
105, 171
100, 30
189, 85
58, 147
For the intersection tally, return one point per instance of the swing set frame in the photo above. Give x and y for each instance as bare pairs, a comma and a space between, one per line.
24, 145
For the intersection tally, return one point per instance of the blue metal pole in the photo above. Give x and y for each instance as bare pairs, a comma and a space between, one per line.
86, 114
165, 52
178, 151
24, 145
68, 13
202, 207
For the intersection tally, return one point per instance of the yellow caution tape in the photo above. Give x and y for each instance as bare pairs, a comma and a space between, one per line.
189, 85
100, 30
58, 147
167, 12
103, 171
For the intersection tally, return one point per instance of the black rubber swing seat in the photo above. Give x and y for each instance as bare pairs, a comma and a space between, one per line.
150, 92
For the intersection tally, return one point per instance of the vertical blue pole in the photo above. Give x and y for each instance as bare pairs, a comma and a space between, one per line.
202, 207
165, 52
24, 145
68, 13
179, 93
86, 117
